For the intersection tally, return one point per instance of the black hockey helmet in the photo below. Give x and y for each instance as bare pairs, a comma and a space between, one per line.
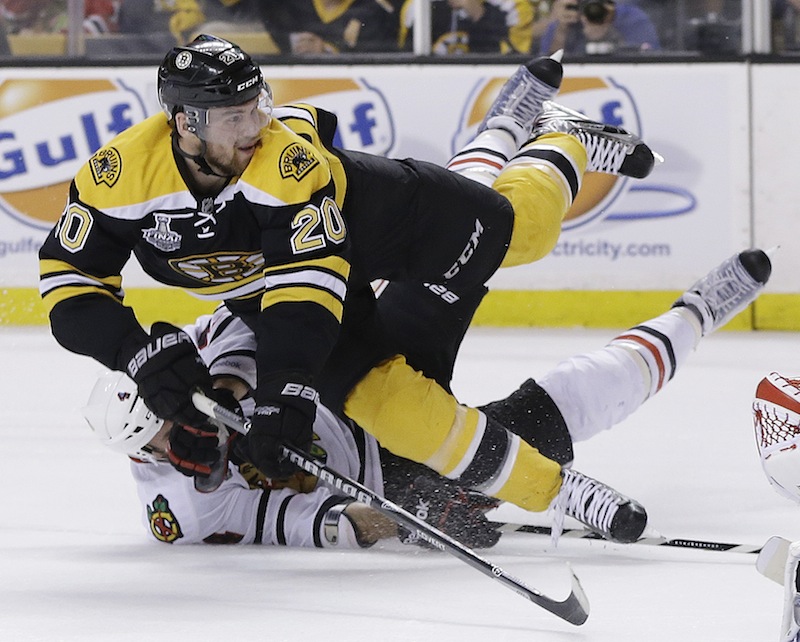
208, 72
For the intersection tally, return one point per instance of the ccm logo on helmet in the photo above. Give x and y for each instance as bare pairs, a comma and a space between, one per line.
247, 83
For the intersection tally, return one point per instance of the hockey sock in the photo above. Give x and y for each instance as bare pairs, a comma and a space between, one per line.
541, 182
597, 390
531, 413
414, 417
484, 157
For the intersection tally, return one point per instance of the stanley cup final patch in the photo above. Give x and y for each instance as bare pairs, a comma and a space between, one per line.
161, 236
296, 162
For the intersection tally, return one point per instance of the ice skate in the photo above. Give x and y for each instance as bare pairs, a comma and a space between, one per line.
519, 102
610, 150
601, 508
727, 289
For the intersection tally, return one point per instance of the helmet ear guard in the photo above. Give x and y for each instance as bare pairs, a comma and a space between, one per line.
119, 417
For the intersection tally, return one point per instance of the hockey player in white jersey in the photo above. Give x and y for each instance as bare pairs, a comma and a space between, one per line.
246, 507
576, 400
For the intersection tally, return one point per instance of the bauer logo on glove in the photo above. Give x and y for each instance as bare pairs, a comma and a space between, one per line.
158, 344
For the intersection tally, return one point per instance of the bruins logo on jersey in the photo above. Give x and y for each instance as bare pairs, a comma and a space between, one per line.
296, 162
106, 166
229, 267
163, 523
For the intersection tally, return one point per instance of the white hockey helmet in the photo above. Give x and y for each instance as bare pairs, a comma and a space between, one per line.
776, 420
119, 417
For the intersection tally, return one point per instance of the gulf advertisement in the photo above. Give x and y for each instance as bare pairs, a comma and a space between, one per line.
620, 234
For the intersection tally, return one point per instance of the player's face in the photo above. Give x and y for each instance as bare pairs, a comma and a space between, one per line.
159, 444
232, 136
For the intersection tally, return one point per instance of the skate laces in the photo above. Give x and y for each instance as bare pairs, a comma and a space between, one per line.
587, 500
727, 288
522, 98
529, 95
723, 292
606, 146
604, 154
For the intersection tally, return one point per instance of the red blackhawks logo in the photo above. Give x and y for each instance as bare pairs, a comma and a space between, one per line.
163, 523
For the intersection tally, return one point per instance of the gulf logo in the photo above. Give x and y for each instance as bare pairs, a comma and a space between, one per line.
365, 120
600, 99
48, 129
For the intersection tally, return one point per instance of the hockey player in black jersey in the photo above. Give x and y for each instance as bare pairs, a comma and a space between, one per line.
580, 397
231, 200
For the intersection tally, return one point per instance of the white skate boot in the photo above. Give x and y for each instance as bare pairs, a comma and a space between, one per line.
519, 102
610, 150
727, 289
607, 512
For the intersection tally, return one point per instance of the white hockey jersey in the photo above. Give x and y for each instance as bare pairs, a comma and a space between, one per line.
174, 512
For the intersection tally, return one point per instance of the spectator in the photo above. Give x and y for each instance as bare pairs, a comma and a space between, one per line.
598, 26
309, 27
473, 26
51, 16
239, 13
176, 17
785, 25
715, 27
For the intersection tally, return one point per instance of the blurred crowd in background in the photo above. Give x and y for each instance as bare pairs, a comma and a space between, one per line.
109, 28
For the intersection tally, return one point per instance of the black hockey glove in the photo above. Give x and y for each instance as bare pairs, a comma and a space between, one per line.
284, 413
197, 450
167, 369
455, 511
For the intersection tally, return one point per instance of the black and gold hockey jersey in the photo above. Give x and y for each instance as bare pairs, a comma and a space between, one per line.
303, 228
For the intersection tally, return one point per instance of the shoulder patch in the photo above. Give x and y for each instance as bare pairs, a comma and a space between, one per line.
106, 166
163, 523
296, 162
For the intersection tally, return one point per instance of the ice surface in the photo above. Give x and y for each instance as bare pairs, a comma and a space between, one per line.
77, 564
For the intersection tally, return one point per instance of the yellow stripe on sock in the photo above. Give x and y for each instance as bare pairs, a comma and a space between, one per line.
461, 443
531, 482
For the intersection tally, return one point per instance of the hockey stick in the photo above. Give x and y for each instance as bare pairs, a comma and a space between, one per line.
574, 609
771, 562
583, 533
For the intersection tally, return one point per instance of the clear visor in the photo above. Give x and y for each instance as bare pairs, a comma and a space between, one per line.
233, 125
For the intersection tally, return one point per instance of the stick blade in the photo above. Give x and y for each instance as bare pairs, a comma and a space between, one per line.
771, 562
577, 602
574, 609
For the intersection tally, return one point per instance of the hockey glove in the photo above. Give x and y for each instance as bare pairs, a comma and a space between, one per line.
167, 369
200, 450
455, 511
285, 413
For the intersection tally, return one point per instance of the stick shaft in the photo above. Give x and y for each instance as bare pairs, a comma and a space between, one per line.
574, 609
582, 533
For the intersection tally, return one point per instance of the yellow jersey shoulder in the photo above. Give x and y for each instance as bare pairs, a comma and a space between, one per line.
135, 166
288, 166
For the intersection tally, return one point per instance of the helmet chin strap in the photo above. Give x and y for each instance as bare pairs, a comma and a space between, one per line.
199, 159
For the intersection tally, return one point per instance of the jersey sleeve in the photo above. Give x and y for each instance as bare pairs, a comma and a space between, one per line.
175, 513
304, 240
80, 266
226, 344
